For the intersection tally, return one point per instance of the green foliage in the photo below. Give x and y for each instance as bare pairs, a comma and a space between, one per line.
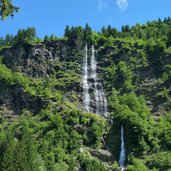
161, 160
77, 34
10, 78
132, 112
88, 34
137, 165
135, 67
6, 74
55, 140
19, 154
7, 9
89, 164
26, 36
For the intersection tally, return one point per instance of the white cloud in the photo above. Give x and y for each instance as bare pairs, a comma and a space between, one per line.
102, 4
122, 4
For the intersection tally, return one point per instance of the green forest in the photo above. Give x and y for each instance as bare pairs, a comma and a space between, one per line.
43, 124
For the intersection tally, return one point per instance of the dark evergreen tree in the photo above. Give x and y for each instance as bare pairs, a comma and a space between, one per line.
53, 37
9, 39
67, 32
26, 36
88, 34
46, 38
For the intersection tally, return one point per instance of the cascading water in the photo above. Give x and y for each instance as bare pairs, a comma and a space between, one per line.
93, 75
100, 99
105, 105
99, 96
86, 96
122, 152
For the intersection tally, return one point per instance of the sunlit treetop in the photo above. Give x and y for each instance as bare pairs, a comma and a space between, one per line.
7, 9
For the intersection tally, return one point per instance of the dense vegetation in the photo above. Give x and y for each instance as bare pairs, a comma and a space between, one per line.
42, 121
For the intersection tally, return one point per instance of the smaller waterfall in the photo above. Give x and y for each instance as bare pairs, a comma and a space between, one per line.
86, 96
122, 152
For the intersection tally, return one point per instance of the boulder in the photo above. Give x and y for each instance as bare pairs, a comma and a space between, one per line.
103, 155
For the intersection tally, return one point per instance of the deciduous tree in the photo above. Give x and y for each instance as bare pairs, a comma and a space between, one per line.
7, 9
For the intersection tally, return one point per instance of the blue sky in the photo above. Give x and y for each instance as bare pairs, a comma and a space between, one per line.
51, 17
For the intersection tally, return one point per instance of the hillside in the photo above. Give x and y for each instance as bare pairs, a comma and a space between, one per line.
43, 120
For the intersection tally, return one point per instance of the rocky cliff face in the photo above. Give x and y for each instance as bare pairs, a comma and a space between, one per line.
50, 58
13, 100
53, 93
35, 61
39, 62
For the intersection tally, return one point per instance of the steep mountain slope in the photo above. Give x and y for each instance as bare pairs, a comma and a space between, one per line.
44, 124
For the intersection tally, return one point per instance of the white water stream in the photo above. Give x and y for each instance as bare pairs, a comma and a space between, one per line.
86, 96
122, 152
90, 72
97, 96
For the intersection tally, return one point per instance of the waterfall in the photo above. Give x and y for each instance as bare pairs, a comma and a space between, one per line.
86, 96
92, 82
100, 99
90, 73
122, 152
93, 75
